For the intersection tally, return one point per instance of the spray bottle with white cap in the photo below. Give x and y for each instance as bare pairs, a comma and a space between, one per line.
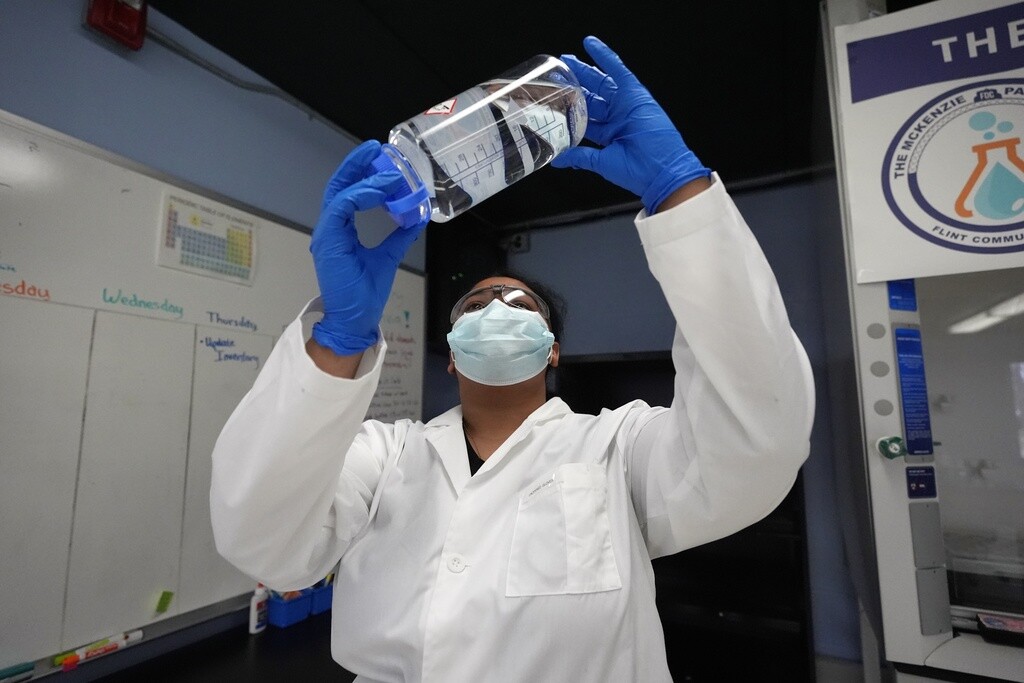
258, 609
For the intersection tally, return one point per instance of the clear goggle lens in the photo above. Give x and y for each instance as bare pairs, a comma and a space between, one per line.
516, 297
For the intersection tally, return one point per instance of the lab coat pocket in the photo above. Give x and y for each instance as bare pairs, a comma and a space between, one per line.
562, 538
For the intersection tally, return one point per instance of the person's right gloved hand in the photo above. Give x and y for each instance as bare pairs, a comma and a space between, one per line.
641, 151
355, 281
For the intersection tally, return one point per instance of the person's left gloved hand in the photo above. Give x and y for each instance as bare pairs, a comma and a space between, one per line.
355, 281
640, 150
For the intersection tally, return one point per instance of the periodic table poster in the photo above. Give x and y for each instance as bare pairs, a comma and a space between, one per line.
204, 237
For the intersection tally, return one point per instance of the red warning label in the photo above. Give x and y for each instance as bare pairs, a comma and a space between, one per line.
442, 108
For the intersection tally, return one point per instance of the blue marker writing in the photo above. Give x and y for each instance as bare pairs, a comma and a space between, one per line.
216, 317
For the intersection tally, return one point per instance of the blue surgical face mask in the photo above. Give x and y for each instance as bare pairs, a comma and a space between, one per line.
500, 345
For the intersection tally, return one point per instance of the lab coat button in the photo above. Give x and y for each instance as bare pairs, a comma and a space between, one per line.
456, 563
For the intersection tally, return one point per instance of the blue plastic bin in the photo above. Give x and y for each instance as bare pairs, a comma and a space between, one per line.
287, 612
322, 599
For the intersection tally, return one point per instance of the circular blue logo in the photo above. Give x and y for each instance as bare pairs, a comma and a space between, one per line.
954, 173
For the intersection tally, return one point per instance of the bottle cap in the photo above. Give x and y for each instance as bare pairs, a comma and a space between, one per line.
410, 204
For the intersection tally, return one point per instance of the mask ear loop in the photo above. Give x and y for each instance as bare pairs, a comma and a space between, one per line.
551, 350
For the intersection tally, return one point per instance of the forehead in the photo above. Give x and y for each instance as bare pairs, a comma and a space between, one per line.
501, 281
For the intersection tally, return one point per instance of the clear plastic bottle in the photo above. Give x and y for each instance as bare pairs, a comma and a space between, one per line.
473, 145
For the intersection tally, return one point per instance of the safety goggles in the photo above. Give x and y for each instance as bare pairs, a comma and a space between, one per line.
516, 297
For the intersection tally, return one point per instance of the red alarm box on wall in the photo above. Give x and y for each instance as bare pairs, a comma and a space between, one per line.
122, 20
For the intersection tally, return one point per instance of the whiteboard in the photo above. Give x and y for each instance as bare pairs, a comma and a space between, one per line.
137, 310
400, 391
127, 530
205, 577
40, 435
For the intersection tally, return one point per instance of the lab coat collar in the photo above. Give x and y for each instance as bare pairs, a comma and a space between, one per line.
445, 435
553, 408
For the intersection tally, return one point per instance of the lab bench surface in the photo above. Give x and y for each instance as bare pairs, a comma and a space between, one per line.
300, 652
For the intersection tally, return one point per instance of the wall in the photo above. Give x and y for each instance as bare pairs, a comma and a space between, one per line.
615, 306
158, 109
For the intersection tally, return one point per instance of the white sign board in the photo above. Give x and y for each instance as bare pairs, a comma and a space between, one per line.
931, 117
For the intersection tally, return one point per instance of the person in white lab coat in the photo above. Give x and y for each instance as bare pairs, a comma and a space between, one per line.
537, 567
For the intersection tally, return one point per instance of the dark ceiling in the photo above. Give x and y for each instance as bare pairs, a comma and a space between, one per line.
742, 79
737, 76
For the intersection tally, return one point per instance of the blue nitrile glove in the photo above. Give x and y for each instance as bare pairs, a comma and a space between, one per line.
355, 282
641, 150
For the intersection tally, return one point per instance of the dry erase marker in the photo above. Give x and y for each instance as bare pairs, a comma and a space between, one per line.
59, 659
115, 643
17, 678
18, 672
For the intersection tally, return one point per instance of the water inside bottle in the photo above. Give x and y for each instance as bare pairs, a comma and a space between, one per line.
474, 145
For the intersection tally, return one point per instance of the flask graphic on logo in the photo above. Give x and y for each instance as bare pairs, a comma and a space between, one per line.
995, 188
954, 174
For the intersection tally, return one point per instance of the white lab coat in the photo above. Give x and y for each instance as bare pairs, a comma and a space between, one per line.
538, 567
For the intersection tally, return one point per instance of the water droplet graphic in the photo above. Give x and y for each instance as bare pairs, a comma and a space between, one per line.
1000, 195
